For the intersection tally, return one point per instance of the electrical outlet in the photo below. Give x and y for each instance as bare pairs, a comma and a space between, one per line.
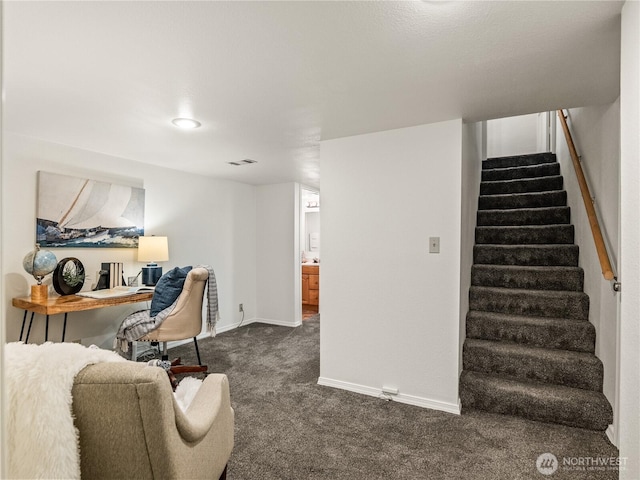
240, 307
390, 390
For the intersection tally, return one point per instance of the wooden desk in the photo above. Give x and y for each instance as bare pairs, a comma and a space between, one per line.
69, 303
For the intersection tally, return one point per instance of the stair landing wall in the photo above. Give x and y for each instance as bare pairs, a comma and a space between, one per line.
596, 132
470, 182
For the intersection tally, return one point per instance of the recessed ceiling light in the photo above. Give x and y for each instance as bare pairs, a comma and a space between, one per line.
185, 123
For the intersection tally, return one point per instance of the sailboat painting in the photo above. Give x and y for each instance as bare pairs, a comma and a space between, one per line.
80, 212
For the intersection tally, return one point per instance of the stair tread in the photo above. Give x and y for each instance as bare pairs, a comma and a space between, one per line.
549, 198
524, 155
530, 227
518, 349
522, 168
529, 268
557, 215
520, 194
528, 319
549, 332
537, 293
530, 255
517, 200
537, 246
525, 234
550, 387
538, 401
521, 185
536, 363
522, 180
529, 234
528, 277
526, 209
522, 301
519, 160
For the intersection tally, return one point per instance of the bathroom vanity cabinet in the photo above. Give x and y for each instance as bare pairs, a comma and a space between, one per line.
310, 284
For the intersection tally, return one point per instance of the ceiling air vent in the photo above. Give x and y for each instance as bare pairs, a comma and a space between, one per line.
246, 161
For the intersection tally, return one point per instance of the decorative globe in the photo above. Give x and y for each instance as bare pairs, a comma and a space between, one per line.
39, 263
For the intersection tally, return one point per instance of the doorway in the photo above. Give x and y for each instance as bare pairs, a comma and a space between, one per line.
531, 133
310, 252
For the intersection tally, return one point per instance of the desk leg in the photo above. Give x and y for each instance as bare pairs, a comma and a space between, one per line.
46, 329
24, 322
29, 330
64, 326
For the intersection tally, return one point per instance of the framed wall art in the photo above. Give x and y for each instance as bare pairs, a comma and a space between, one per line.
80, 212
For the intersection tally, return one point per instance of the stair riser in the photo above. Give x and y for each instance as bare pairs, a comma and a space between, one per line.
562, 255
544, 170
533, 216
518, 161
540, 279
571, 407
535, 304
564, 368
544, 184
534, 235
524, 200
574, 335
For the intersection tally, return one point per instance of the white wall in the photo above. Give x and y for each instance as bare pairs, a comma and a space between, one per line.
3, 416
278, 254
472, 147
390, 310
628, 424
596, 134
208, 221
514, 135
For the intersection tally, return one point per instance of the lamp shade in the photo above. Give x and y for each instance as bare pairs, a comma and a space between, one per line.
153, 249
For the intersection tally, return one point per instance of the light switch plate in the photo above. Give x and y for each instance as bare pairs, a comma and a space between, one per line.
434, 244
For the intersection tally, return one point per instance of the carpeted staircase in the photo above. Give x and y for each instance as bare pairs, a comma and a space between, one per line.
530, 346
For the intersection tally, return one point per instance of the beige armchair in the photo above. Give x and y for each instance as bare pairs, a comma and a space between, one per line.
130, 425
185, 320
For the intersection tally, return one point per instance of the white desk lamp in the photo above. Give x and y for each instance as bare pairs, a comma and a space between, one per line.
152, 249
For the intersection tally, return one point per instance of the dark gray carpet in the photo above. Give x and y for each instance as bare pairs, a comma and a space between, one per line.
530, 348
288, 427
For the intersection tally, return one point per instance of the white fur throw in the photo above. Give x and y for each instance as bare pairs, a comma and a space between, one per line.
43, 441
186, 391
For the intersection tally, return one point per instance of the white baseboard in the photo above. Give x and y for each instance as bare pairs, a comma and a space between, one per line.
454, 408
279, 323
233, 326
611, 435
246, 322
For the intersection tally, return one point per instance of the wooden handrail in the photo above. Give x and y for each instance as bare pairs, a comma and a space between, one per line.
601, 248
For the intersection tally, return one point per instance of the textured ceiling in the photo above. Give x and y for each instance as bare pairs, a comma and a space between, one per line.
269, 80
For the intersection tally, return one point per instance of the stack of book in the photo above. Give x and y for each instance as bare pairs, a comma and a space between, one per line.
114, 274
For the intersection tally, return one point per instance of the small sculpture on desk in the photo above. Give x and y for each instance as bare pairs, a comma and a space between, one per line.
39, 263
103, 280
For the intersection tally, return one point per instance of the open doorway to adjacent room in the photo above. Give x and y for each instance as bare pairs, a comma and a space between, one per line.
310, 251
